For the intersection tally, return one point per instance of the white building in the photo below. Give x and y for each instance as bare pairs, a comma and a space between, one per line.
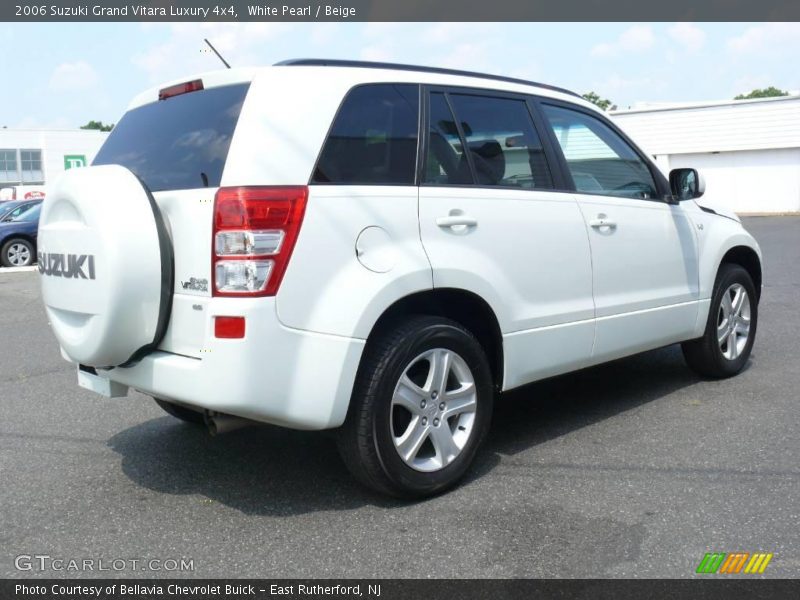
747, 150
35, 157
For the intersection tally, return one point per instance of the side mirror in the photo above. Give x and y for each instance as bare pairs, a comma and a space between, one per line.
686, 184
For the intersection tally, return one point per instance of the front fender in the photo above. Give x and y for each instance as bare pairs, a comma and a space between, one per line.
717, 236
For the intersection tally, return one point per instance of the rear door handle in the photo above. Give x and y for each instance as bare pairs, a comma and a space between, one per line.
602, 222
456, 220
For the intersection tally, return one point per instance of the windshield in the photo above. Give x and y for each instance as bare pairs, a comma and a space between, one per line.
179, 143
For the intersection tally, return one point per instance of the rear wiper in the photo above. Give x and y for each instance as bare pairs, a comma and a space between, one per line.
204, 177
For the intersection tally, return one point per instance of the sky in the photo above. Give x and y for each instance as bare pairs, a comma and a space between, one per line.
59, 75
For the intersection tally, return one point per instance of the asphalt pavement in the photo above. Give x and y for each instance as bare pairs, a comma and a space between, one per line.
632, 469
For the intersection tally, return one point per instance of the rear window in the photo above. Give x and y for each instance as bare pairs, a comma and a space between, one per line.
373, 139
179, 143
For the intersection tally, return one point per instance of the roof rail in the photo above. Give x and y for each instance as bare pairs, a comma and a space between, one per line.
323, 62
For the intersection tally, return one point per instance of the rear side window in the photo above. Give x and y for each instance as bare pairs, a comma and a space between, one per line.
373, 139
446, 162
178, 143
503, 145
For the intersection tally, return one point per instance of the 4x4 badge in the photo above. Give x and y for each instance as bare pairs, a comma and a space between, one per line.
66, 265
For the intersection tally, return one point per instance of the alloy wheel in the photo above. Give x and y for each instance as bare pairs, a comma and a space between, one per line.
18, 255
733, 321
433, 410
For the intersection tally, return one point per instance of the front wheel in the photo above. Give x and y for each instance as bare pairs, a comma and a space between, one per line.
420, 409
17, 253
731, 327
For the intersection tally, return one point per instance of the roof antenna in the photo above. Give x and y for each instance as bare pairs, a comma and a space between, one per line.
219, 56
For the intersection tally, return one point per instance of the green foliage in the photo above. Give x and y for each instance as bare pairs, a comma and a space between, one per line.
602, 103
98, 125
770, 92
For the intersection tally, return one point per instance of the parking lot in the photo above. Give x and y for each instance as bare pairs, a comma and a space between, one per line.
632, 469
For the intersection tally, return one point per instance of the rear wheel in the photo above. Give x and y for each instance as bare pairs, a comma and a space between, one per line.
731, 327
17, 253
181, 412
420, 409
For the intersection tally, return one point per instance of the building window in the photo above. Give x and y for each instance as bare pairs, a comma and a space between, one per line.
8, 166
31, 163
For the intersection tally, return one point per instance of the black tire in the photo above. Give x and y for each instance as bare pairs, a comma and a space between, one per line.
181, 412
704, 355
366, 440
4, 252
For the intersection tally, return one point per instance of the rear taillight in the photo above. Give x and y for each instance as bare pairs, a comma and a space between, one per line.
181, 88
255, 229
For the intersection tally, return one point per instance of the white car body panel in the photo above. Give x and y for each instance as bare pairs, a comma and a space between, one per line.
564, 295
644, 265
188, 215
262, 377
346, 297
528, 257
716, 236
547, 351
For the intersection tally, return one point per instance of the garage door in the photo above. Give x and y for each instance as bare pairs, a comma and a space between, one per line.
753, 181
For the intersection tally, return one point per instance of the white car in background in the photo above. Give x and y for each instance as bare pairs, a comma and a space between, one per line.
380, 249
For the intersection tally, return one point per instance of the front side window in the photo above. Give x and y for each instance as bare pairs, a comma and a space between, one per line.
373, 139
500, 139
600, 161
8, 166
31, 163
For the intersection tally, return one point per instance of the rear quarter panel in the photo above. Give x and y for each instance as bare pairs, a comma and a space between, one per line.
282, 126
326, 288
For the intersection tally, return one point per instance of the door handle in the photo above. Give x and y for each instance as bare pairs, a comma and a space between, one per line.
602, 222
456, 221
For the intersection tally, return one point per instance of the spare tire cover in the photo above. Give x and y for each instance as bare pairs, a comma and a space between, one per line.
106, 266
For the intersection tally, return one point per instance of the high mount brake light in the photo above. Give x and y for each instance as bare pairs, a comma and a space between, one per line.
254, 233
180, 88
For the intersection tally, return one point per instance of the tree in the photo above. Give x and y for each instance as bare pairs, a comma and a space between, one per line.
770, 92
98, 125
602, 103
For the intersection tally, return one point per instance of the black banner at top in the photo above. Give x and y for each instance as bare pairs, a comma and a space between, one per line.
400, 10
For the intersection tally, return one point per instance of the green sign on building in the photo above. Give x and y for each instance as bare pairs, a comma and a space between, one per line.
73, 161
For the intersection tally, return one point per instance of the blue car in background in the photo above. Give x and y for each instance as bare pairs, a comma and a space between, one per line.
18, 236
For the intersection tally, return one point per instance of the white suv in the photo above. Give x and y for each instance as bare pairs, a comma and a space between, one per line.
379, 249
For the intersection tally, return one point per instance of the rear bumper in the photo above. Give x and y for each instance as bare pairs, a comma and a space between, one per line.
275, 374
